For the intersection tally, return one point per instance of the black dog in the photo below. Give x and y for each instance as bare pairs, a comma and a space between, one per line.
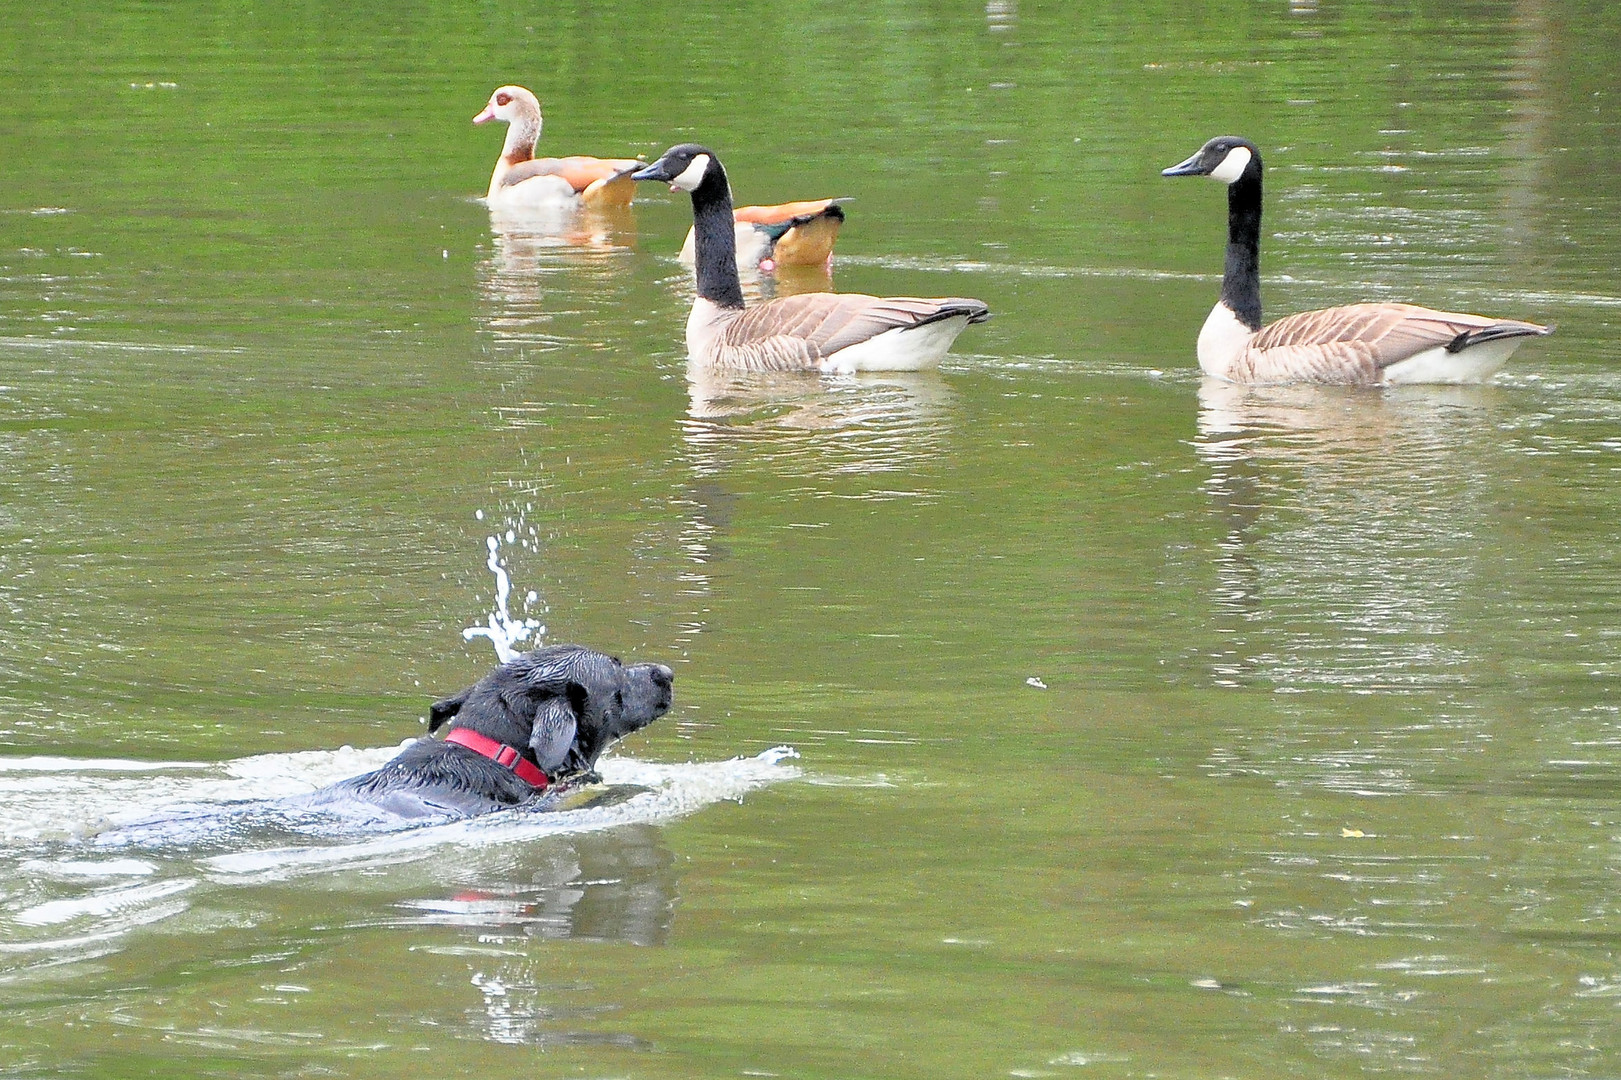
537, 720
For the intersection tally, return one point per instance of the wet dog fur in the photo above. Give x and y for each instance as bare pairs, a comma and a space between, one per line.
561, 706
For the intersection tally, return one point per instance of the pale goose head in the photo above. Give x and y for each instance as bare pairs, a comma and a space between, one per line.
512, 105
520, 182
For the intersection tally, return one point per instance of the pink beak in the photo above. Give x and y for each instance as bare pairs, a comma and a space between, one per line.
486, 116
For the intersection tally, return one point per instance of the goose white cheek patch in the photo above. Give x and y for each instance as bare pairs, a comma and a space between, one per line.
1232, 166
693, 174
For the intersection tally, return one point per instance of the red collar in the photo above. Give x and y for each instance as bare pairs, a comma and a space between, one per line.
501, 754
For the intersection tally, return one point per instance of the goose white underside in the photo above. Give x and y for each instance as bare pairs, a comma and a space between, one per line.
536, 193
1475, 364
912, 348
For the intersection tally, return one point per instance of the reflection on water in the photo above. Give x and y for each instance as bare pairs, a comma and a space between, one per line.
521, 1007
811, 425
542, 262
1354, 533
804, 426
617, 885
1359, 553
524, 238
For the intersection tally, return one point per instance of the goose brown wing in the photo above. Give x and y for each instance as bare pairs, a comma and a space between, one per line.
826, 322
1381, 334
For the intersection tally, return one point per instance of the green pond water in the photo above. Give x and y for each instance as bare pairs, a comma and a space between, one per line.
1147, 728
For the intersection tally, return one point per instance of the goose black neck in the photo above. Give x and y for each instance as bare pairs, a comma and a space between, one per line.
714, 240
1241, 278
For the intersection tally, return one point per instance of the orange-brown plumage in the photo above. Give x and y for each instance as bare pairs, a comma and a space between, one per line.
594, 181
798, 233
782, 212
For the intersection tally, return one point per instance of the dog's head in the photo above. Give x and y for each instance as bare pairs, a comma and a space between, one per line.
566, 703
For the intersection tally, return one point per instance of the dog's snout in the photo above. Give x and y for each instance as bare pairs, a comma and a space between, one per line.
663, 676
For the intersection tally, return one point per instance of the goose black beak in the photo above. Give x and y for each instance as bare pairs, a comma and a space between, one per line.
656, 171
1190, 167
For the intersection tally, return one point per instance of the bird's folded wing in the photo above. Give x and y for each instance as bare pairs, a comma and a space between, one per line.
804, 210
580, 172
1382, 334
828, 322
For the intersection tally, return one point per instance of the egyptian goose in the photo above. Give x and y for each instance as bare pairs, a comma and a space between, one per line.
522, 180
787, 234
1360, 344
818, 331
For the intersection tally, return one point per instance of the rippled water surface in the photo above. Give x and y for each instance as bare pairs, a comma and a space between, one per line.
1146, 727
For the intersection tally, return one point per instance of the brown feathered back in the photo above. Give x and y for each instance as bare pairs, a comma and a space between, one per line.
1357, 342
797, 332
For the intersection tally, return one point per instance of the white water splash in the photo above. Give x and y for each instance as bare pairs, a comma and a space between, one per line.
44, 763
54, 798
109, 902
89, 868
674, 791
504, 631
60, 880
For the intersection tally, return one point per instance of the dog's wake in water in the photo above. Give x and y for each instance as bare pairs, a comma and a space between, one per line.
69, 890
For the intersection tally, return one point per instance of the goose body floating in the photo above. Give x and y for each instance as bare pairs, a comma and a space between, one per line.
787, 234
1365, 344
828, 332
521, 180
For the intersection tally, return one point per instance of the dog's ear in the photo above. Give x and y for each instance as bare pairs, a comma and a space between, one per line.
552, 736
579, 699
568, 672
534, 677
523, 700
440, 711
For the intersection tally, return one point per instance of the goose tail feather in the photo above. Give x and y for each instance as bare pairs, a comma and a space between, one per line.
1497, 331
951, 307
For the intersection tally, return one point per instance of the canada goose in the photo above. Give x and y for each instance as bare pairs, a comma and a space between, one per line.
521, 180
829, 332
1367, 344
787, 234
